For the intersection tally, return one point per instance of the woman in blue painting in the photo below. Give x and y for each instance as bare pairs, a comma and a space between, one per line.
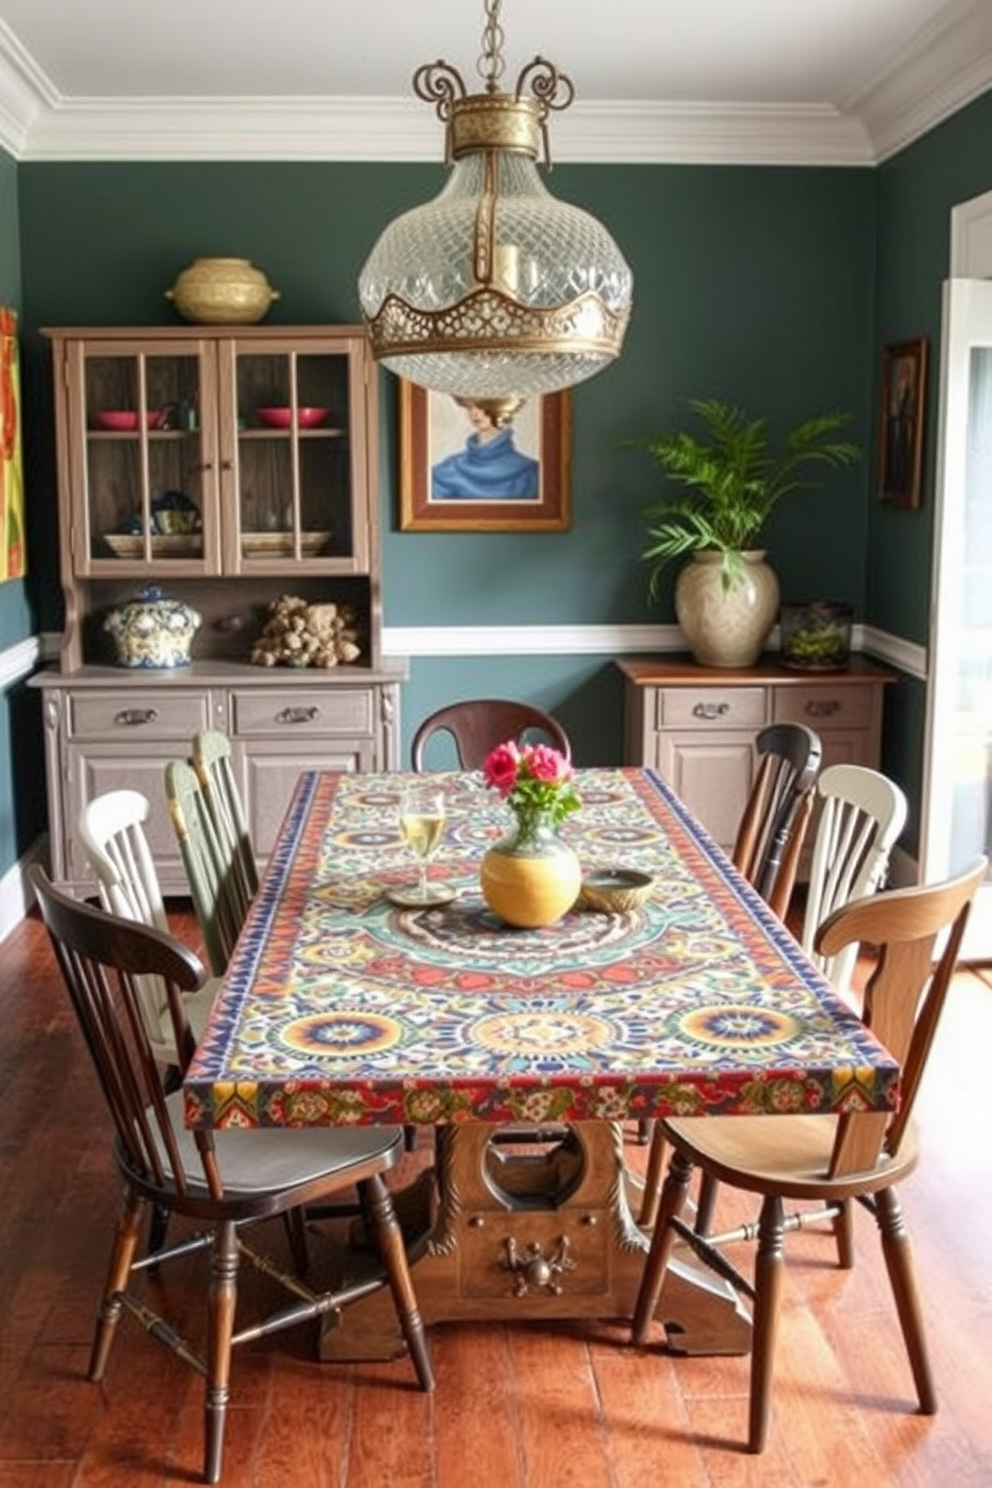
489, 468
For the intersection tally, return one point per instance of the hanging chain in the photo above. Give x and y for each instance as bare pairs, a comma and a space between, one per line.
491, 65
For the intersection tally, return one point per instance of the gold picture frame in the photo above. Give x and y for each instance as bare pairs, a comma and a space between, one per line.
901, 420
453, 477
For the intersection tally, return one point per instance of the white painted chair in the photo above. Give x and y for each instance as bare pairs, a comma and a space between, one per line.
862, 815
113, 834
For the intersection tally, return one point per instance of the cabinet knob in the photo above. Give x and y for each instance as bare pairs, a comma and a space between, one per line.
135, 717
711, 710
822, 707
298, 715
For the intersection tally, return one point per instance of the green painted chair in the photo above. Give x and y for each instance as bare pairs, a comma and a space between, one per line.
211, 759
215, 880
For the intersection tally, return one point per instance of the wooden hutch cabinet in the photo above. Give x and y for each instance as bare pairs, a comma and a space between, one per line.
184, 462
697, 725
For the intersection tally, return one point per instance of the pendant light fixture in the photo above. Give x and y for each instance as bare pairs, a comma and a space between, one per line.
494, 290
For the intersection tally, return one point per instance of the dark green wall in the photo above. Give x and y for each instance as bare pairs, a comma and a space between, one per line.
753, 285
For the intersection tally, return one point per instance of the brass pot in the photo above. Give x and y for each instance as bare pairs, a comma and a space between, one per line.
222, 291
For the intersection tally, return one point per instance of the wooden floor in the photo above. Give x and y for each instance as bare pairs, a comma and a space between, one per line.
516, 1406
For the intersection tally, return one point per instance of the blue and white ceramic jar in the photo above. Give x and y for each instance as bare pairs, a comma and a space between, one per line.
151, 631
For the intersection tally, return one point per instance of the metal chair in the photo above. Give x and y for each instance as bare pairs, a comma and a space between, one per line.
831, 1159
223, 1183
476, 725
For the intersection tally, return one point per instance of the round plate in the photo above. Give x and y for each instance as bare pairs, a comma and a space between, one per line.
437, 894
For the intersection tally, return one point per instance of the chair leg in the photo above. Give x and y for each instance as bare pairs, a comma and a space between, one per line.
122, 1256
902, 1278
653, 1178
674, 1195
767, 1297
844, 1235
389, 1237
221, 1303
708, 1190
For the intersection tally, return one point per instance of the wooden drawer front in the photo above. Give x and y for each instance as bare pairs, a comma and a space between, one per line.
133, 714
824, 707
711, 707
293, 711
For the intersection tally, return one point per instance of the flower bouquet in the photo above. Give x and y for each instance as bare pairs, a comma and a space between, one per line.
531, 878
535, 781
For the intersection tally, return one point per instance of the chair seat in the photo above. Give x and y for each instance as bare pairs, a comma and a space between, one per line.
259, 1159
790, 1156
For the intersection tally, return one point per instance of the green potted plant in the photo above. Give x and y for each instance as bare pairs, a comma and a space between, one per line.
726, 482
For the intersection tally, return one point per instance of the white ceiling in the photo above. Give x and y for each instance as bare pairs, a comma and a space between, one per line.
811, 81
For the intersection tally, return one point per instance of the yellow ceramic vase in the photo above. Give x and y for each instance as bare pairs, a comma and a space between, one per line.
531, 878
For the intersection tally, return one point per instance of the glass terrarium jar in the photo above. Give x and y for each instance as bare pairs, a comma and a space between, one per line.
815, 636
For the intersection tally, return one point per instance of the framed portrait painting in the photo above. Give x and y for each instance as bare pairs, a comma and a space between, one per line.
903, 406
459, 472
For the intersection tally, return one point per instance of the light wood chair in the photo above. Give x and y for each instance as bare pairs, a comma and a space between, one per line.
476, 725
211, 872
224, 1183
861, 817
112, 831
212, 761
830, 1159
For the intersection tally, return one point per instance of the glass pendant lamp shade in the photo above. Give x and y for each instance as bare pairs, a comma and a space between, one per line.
495, 290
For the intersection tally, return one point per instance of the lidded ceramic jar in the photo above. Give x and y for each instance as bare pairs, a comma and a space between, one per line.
222, 291
151, 631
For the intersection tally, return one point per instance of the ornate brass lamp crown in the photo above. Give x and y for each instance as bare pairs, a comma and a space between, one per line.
494, 290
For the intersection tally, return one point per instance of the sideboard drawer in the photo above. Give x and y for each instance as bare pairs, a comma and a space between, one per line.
131, 713
824, 707
285, 711
711, 707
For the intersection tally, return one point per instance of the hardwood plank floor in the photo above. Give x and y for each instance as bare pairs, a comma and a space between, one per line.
517, 1406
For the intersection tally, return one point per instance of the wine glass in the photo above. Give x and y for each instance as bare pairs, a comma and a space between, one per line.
421, 828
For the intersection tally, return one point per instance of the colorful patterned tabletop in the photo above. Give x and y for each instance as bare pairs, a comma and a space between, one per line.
340, 1007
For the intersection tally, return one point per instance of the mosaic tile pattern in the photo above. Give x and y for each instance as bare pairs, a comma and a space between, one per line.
340, 1007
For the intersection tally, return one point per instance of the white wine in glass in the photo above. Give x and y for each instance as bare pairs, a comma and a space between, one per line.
422, 827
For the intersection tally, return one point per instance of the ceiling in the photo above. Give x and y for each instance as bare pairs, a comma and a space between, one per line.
839, 81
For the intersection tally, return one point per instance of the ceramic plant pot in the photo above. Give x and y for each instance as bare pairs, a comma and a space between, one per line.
726, 627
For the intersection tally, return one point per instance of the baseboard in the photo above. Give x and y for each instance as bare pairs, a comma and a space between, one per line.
16, 897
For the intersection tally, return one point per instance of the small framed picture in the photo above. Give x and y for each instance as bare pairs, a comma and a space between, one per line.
903, 407
460, 472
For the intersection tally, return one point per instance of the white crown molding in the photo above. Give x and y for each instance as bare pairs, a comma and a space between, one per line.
945, 66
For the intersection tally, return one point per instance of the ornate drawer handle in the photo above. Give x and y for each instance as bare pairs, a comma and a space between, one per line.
711, 710
535, 1271
822, 707
135, 717
298, 715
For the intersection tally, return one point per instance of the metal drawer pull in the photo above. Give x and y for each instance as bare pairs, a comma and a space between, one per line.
822, 707
298, 715
711, 710
134, 717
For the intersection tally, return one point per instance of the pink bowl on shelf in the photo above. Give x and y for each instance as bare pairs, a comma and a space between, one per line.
122, 421
281, 418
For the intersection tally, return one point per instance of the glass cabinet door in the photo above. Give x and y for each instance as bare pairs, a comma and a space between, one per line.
146, 482
293, 474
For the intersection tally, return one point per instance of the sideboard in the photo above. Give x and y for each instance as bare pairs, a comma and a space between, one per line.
697, 725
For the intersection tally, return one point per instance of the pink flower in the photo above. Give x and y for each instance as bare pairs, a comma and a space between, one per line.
500, 768
546, 764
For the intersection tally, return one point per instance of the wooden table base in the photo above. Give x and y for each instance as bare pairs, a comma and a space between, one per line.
509, 1231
